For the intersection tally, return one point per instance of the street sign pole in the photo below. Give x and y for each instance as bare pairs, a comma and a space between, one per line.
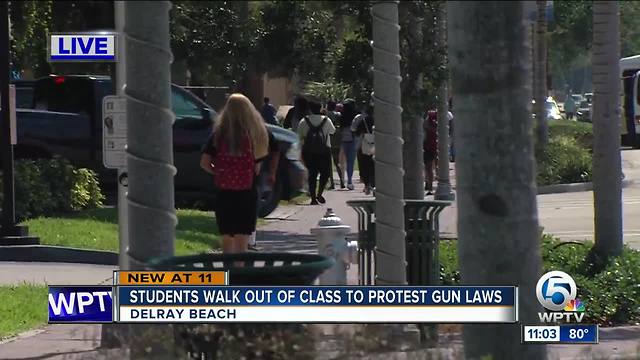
10, 232
114, 335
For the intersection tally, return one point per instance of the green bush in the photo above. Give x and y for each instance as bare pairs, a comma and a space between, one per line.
581, 132
48, 186
611, 294
449, 273
563, 161
610, 291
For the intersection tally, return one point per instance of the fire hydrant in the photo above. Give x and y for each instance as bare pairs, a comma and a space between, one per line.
331, 235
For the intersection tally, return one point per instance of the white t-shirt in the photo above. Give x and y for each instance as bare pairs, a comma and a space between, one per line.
327, 129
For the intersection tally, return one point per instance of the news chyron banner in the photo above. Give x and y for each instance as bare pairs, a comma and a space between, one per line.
206, 297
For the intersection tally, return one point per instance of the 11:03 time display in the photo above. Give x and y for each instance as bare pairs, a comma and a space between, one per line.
542, 333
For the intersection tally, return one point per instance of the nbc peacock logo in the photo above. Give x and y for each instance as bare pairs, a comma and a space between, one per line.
575, 306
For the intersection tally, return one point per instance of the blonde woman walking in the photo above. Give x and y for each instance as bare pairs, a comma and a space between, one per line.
233, 155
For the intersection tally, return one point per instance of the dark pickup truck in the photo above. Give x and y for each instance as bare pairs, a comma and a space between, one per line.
65, 119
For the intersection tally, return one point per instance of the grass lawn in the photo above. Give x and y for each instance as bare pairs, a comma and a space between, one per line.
23, 307
97, 229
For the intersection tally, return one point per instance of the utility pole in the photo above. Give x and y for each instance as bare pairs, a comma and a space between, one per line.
390, 234
443, 191
10, 232
150, 197
113, 335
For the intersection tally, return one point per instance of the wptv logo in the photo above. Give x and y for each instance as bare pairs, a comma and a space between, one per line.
556, 292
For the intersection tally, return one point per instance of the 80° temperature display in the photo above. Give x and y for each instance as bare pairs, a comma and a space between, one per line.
563, 334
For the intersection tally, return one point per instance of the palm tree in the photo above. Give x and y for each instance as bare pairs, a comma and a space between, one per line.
413, 101
607, 187
498, 241
540, 74
443, 191
390, 246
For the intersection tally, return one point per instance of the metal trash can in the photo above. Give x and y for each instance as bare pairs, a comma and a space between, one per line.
422, 238
208, 340
255, 268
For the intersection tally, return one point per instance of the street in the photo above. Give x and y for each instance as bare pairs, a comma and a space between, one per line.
569, 216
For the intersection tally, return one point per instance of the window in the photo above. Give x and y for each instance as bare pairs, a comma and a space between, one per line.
183, 107
64, 94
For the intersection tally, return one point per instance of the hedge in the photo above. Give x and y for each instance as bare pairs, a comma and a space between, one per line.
50, 186
610, 289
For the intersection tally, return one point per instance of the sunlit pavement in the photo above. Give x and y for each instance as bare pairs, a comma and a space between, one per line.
569, 216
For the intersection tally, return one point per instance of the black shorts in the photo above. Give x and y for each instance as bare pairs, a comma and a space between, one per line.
428, 157
236, 211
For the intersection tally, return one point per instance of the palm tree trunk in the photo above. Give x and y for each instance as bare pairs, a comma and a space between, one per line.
540, 70
498, 240
390, 246
413, 104
443, 191
607, 168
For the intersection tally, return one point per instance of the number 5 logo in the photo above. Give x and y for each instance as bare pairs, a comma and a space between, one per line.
555, 290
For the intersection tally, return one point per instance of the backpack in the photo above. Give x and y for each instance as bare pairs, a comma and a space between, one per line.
234, 171
368, 146
316, 141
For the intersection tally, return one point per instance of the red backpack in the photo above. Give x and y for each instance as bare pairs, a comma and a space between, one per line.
234, 171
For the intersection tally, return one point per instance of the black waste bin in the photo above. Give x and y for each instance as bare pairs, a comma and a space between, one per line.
253, 268
216, 341
422, 237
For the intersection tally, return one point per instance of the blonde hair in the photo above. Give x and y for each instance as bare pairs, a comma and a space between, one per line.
239, 118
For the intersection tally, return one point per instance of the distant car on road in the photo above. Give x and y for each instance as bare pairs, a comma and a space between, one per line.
552, 109
65, 118
584, 111
577, 98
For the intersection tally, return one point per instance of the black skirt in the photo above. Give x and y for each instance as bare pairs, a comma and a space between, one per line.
236, 211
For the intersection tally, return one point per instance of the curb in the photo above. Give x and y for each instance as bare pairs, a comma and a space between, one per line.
574, 187
43, 253
23, 335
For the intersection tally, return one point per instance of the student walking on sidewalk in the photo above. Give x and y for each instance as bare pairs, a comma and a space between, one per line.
335, 145
362, 127
314, 131
349, 112
233, 155
430, 148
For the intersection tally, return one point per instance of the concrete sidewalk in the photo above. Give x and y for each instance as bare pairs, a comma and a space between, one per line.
54, 273
285, 230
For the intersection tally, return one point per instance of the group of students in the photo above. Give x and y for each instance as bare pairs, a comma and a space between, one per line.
334, 137
241, 142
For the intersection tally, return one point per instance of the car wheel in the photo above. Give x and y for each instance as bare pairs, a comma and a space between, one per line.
269, 200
